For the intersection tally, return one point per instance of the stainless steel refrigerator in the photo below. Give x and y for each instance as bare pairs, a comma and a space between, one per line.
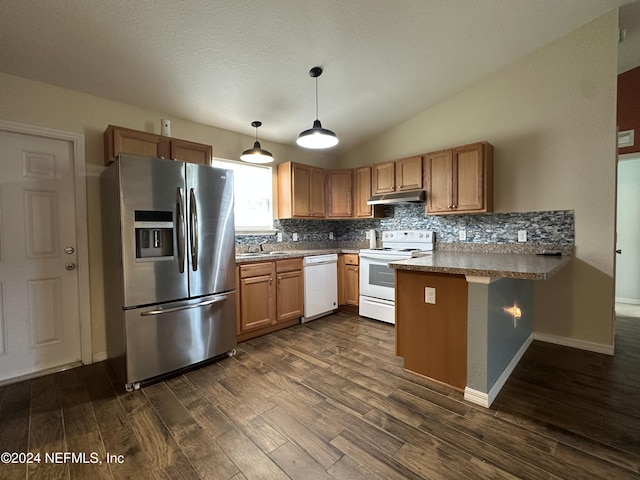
169, 265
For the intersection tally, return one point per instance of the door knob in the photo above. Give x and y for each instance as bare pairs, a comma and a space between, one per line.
69, 250
69, 265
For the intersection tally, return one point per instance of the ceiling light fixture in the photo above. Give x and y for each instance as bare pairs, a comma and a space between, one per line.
317, 137
256, 154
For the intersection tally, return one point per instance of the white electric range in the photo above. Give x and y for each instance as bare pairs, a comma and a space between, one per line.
377, 281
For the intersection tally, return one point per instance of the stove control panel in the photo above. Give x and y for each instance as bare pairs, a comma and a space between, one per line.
408, 240
408, 236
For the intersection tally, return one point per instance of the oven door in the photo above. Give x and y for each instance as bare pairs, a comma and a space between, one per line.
376, 278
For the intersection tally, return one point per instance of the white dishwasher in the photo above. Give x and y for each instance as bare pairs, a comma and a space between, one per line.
320, 285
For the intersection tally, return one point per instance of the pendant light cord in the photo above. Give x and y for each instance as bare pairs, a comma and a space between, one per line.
316, 98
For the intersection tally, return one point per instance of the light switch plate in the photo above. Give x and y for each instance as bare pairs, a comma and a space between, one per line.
462, 234
279, 236
522, 235
295, 237
330, 235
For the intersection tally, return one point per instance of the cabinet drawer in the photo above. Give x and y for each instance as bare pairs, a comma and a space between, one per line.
289, 265
351, 259
256, 269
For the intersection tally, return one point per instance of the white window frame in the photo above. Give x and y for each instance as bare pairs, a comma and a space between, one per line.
257, 229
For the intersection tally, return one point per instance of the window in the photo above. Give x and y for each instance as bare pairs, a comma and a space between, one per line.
253, 195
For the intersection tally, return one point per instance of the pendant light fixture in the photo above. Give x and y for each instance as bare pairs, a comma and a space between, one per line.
256, 154
317, 137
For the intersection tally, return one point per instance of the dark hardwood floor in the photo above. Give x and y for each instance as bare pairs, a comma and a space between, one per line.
329, 399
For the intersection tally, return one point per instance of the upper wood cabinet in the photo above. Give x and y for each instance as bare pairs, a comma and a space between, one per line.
362, 193
404, 174
460, 180
409, 174
191, 152
125, 140
339, 193
301, 191
383, 178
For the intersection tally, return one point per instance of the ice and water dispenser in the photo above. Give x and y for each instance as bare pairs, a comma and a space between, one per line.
154, 235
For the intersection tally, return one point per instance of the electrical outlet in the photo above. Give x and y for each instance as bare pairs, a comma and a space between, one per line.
429, 295
522, 235
279, 236
330, 235
367, 236
295, 237
462, 234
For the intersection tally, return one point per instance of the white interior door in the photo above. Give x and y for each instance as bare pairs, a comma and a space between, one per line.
628, 230
39, 308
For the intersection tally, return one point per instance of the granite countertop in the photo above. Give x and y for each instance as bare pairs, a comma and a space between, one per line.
501, 265
283, 254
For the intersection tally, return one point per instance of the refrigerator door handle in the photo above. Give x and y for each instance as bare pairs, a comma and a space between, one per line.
160, 311
193, 213
180, 200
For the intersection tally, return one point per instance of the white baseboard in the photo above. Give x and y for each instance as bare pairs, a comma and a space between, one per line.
99, 357
572, 342
486, 399
628, 301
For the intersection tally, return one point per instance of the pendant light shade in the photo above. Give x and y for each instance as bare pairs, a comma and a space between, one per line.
256, 154
317, 137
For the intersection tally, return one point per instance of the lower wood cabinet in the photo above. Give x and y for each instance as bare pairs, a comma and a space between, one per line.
270, 296
349, 279
289, 294
432, 338
257, 295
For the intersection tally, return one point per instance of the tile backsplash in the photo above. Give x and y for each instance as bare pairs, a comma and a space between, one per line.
550, 228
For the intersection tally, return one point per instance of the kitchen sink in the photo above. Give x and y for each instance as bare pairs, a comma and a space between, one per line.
280, 252
248, 255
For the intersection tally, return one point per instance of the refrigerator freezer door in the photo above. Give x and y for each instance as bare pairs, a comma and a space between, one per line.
149, 209
211, 250
164, 338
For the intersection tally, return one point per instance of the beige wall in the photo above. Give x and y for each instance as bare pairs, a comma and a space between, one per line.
43, 105
552, 120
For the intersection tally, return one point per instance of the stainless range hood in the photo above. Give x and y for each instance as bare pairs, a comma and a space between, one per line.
397, 198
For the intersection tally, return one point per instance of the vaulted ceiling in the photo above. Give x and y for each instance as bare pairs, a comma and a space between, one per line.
226, 63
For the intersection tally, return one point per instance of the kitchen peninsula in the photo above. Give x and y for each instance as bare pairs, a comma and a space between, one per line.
465, 318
